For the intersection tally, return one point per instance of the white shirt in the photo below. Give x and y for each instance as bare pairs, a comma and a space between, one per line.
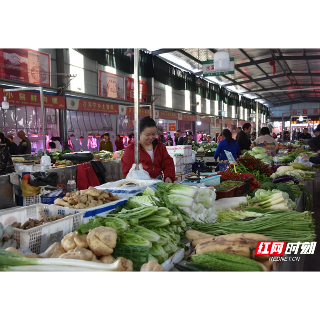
151, 155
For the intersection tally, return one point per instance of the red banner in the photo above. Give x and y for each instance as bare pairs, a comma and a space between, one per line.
189, 117
143, 89
25, 98
144, 112
315, 111
294, 112
305, 111
172, 127
205, 119
92, 106
168, 115
25, 65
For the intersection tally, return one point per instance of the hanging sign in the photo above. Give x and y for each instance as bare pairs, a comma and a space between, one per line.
27, 98
294, 112
111, 85
305, 111
143, 89
92, 106
25, 65
208, 68
315, 111
172, 127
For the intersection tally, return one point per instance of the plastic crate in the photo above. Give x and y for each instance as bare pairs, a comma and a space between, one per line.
211, 181
225, 194
138, 255
38, 239
29, 201
240, 190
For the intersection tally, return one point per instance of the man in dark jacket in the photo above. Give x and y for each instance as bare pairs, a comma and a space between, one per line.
180, 139
12, 147
24, 146
243, 137
314, 143
305, 135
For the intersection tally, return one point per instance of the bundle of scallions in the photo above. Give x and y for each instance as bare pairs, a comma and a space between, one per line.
282, 226
10, 261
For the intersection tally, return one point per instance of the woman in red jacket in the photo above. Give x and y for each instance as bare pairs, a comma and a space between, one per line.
153, 153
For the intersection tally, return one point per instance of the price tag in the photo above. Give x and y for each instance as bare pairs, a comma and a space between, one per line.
230, 157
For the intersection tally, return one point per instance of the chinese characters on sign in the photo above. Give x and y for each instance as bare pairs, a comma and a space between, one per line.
25, 65
26, 98
294, 112
168, 115
189, 117
316, 111
111, 85
305, 111
143, 89
144, 112
172, 127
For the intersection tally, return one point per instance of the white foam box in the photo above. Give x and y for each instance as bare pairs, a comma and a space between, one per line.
188, 159
39, 239
184, 150
178, 160
179, 169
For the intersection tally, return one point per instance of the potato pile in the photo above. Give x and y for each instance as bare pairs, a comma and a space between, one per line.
88, 198
96, 246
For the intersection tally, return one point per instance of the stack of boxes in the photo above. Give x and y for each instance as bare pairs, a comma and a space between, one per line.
182, 158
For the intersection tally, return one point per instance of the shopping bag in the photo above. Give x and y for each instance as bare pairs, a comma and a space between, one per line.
138, 173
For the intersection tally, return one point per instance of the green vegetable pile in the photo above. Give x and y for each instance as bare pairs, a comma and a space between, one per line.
281, 225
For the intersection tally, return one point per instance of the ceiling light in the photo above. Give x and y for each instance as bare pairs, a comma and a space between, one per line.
126, 119
160, 121
5, 104
301, 118
199, 123
221, 61
129, 53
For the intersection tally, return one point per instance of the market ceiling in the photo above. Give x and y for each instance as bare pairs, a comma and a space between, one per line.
296, 78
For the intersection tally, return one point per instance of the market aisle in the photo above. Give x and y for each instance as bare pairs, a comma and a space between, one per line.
312, 262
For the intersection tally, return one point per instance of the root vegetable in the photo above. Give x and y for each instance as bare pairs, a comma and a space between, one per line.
60, 202
268, 264
54, 251
78, 254
152, 265
102, 240
196, 235
14, 250
107, 259
68, 241
124, 264
81, 241
80, 206
83, 199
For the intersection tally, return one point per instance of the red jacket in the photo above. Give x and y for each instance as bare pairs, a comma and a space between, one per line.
163, 163
119, 145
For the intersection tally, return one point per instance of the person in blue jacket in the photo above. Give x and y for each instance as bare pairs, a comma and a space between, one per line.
229, 144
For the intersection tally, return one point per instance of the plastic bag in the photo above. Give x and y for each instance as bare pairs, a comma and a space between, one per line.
41, 179
138, 174
301, 161
28, 190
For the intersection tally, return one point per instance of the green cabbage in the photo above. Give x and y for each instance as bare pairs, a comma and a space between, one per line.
257, 150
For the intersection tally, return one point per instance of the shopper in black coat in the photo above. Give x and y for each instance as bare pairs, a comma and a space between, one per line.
243, 137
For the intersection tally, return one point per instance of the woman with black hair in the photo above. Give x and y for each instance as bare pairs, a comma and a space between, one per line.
153, 154
227, 144
266, 141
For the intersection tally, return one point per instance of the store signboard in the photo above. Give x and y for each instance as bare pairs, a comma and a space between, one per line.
143, 89
144, 112
26, 98
111, 85
25, 65
205, 119
172, 127
305, 111
294, 112
208, 68
91, 106
188, 117
316, 111
168, 115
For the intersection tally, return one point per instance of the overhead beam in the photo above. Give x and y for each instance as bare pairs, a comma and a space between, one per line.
254, 62
161, 51
286, 86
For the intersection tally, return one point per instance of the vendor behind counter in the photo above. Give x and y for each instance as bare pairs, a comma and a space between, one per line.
153, 154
